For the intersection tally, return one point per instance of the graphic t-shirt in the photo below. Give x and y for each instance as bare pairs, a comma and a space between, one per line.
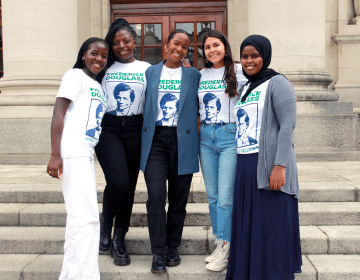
215, 106
124, 85
248, 119
82, 123
168, 96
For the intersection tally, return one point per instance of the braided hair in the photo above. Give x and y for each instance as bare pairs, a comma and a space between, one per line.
229, 74
84, 48
116, 25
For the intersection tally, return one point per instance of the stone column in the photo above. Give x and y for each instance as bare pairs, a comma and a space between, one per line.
40, 45
326, 128
348, 41
297, 34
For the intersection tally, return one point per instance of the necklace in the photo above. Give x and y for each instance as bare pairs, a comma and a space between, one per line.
173, 74
213, 70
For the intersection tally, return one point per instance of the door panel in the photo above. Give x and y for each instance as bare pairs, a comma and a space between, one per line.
197, 26
153, 31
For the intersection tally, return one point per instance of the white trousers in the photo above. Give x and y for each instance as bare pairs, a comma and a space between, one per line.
81, 249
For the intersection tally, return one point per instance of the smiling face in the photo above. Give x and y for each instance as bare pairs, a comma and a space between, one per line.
123, 46
95, 59
215, 51
251, 60
124, 100
169, 109
177, 49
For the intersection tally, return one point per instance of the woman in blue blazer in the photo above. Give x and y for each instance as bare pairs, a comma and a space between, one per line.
169, 148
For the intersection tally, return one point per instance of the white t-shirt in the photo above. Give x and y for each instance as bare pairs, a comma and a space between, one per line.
168, 96
124, 85
82, 123
248, 119
215, 106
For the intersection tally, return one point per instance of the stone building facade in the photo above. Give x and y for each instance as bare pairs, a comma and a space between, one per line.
316, 44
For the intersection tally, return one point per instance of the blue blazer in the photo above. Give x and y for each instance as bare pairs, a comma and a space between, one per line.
187, 127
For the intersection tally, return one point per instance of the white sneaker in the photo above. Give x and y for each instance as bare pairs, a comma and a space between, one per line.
216, 252
221, 261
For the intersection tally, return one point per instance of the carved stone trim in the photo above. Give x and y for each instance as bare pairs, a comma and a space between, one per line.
36, 82
339, 38
312, 85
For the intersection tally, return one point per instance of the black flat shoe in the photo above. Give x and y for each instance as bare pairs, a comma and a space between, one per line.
172, 257
105, 233
118, 249
158, 265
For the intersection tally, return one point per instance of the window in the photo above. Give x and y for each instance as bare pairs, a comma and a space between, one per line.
153, 23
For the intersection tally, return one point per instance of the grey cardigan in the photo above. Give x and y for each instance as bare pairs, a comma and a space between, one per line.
276, 135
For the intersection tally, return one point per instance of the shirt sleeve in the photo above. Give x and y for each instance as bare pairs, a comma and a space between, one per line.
103, 85
284, 100
70, 85
147, 65
240, 78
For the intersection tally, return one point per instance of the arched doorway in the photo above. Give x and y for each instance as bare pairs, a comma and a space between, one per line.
153, 23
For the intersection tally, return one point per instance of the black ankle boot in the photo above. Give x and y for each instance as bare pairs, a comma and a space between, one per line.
172, 256
105, 233
118, 249
158, 265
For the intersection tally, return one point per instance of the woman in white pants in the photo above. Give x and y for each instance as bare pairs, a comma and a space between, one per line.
75, 130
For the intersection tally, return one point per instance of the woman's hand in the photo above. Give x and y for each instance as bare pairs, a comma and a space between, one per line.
55, 166
186, 63
277, 177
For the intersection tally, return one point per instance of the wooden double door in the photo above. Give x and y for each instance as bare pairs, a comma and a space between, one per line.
154, 22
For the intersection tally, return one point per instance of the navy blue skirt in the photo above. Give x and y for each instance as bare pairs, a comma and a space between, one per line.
265, 239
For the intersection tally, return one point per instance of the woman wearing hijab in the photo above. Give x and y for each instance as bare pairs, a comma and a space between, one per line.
265, 239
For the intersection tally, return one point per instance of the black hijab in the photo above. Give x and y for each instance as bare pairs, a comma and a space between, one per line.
263, 46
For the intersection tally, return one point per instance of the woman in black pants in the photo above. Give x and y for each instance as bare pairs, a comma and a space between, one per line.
118, 150
169, 148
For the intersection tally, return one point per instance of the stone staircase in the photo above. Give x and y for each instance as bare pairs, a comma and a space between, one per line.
32, 226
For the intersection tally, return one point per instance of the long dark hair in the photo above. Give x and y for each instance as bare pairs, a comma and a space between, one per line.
84, 48
229, 74
116, 25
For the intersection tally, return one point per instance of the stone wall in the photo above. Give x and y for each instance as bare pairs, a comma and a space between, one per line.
314, 47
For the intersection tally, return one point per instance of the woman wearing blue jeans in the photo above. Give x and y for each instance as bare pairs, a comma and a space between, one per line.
220, 83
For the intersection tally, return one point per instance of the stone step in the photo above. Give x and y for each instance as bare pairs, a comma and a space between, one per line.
195, 240
50, 240
310, 213
337, 191
329, 213
55, 215
45, 267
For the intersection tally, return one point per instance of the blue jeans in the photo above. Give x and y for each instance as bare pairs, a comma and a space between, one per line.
218, 164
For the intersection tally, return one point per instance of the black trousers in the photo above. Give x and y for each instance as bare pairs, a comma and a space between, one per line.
165, 230
118, 152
